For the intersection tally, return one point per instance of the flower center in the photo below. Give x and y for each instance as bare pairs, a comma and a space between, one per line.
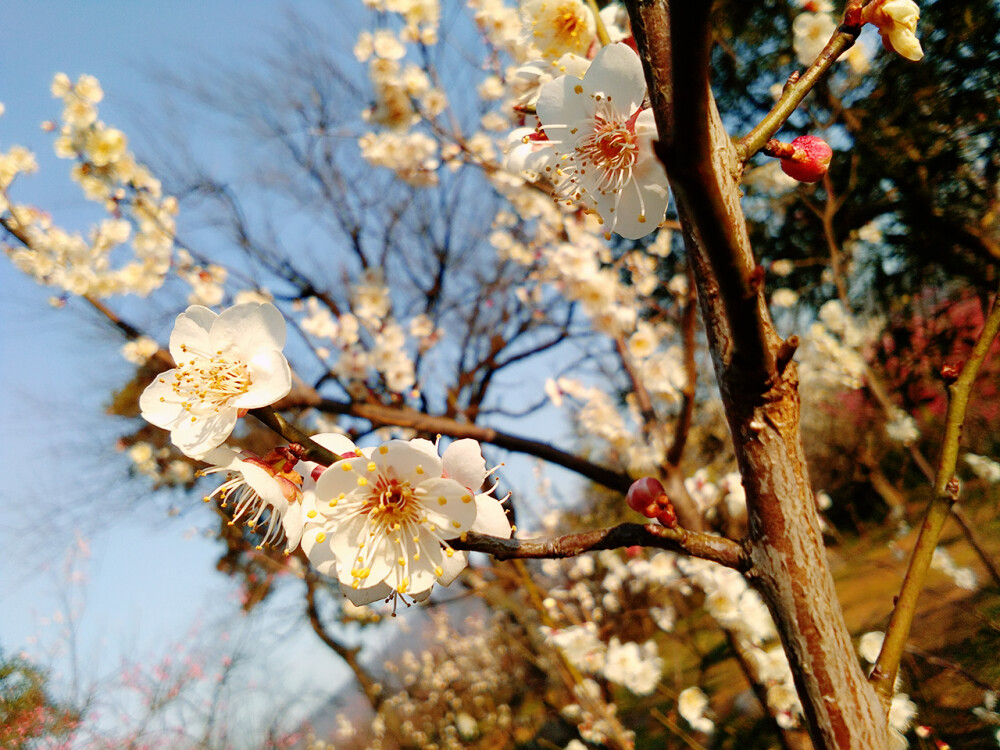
563, 28
390, 504
612, 146
206, 384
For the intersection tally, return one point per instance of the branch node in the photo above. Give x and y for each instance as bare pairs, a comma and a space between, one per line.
785, 353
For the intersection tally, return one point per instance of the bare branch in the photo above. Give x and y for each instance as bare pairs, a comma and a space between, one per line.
704, 546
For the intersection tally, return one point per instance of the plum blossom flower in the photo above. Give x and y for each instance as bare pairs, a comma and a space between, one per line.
260, 483
811, 32
225, 363
383, 517
897, 25
691, 704
559, 26
600, 143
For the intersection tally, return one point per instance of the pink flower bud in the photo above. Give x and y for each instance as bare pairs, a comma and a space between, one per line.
646, 496
810, 159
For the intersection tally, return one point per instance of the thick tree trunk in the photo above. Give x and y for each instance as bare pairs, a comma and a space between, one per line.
758, 383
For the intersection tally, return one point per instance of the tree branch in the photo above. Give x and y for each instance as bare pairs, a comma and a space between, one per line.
704, 546
946, 489
369, 686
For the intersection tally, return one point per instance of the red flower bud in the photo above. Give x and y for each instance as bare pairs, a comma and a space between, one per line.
644, 496
810, 159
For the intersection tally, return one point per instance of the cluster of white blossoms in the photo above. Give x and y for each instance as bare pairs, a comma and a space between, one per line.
833, 348
896, 21
964, 578
109, 175
984, 467
378, 520
369, 344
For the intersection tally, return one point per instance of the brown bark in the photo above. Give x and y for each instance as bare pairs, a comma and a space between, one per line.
759, 391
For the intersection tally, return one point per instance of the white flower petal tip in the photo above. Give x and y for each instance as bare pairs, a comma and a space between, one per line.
598, 147
225, 363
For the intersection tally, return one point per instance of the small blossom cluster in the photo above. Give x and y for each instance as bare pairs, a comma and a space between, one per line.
833, 353
368, 347
456, 693
108, 174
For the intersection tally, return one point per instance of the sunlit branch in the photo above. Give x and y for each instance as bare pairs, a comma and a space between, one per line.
696, 544
313, 450
946, 490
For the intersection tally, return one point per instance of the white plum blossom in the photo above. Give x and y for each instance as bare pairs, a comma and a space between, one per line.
559, 26
691, 704
870, 645
225, 363
384, 516
811, 32
984, 467
897, 25
636, 667
580, 646
599, 137
257, 484
902, 428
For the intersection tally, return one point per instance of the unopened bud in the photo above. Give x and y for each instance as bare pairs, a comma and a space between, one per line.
949, 373
644, 496
809, 160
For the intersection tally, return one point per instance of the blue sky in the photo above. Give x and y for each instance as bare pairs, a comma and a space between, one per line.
150, 578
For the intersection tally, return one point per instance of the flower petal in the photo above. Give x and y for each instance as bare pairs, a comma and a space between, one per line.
360, 597
491, 518
616, 73
191, 328
561, 102
271, 380
450, 507
463, 461
158, 404
250, 328
401, 460
196, 438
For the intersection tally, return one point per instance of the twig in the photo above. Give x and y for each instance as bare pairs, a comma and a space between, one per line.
401, 416
883, 674
795, 91
313, 450
705, 546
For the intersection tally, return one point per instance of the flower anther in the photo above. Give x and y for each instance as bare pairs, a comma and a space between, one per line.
257, 484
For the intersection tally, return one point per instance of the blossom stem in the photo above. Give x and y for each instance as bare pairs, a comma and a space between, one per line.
704, 546
883, 674
313, 450
602, 31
